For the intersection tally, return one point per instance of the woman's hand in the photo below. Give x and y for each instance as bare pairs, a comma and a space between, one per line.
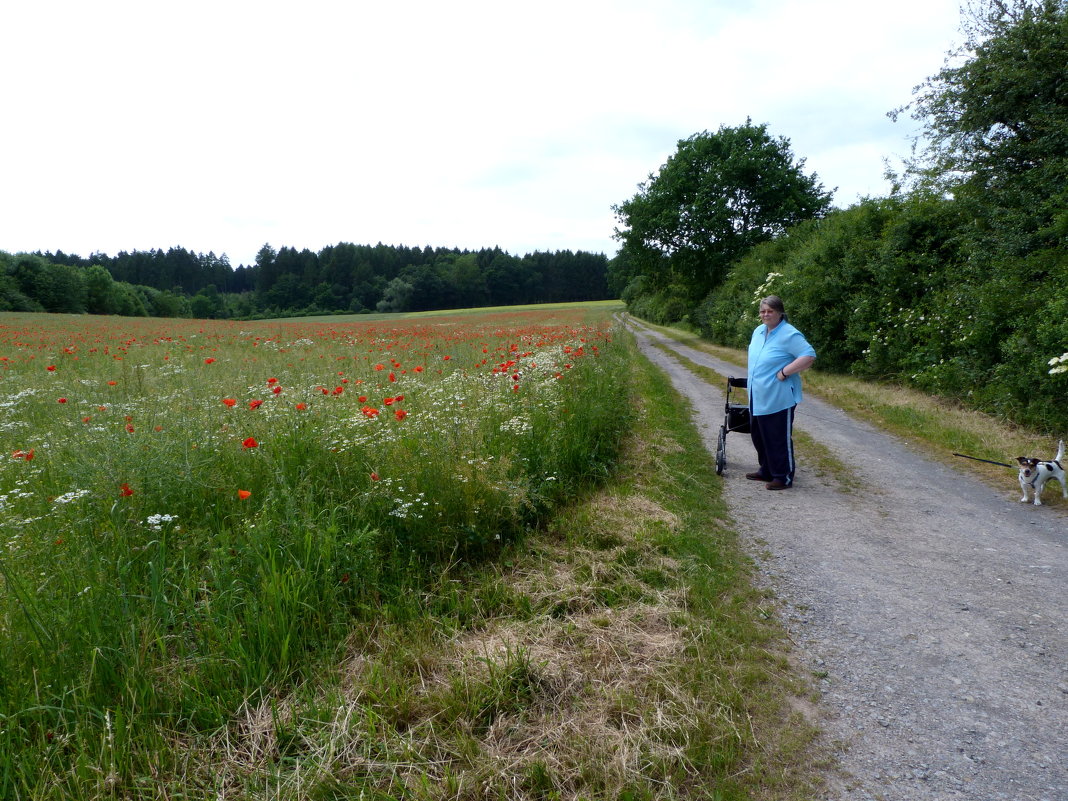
796, 366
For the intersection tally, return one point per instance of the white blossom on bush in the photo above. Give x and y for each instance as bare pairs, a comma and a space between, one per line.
762, 290
1059, 364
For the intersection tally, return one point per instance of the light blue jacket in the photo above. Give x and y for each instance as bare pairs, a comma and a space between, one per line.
767, 394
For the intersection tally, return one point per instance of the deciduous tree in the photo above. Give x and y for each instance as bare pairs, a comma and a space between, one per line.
719, 195
995, 121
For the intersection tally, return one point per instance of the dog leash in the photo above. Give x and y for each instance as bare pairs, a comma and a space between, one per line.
988, 461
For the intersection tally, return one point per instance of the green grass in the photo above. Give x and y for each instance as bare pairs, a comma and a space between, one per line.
318, 638
597, 309
618, 652
168, 557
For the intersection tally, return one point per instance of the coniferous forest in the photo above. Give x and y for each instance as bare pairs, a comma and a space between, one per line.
339, 279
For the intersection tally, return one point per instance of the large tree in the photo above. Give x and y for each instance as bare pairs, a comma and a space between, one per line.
994, 120
719, 195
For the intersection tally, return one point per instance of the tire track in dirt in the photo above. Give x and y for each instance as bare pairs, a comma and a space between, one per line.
929, 608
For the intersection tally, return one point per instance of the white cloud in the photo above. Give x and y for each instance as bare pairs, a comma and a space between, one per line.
220, 126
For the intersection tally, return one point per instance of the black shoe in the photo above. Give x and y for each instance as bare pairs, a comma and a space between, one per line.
757, 476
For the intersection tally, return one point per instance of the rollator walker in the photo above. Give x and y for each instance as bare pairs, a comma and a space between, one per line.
736, 418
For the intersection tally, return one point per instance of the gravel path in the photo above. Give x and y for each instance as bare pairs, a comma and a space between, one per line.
930, 608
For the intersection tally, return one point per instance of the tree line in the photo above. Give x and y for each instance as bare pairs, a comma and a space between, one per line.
339, 279
956, 283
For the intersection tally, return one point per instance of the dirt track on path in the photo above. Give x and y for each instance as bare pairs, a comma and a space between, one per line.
930, 609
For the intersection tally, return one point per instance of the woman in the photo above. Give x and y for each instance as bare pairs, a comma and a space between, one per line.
777, 353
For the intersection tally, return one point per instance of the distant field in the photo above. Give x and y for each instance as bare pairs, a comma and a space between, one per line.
594, 307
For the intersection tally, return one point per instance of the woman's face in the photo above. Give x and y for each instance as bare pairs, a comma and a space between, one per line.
769, 316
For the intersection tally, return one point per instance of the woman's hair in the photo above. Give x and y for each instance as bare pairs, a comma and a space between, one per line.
774, 302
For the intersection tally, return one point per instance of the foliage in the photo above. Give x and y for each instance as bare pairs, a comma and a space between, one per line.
669, 304
892, 289
288, 283
998, 114
714, 199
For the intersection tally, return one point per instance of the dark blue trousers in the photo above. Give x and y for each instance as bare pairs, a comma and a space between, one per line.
773, 438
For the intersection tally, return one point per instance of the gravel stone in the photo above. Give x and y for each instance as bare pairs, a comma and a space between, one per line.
929, 608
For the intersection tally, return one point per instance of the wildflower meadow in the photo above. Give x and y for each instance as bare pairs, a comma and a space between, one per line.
193, 512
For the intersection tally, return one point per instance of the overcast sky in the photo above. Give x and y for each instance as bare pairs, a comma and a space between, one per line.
223, 125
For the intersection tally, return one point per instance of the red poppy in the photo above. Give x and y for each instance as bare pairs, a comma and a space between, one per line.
301, 407
243, 494
374, 476
388, 401
392, 377
61, 400
362, 399
338, 390
272, 381
255, 404
209, 360
276, 390
369, 411
124, 490
86, 419
27, 455
250, 442
51, 368
112, 383
231, 402
400, 414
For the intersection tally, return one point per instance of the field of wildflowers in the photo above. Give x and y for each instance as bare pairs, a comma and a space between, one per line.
194, 511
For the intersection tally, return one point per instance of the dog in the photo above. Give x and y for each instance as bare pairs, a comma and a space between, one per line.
1034, 473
